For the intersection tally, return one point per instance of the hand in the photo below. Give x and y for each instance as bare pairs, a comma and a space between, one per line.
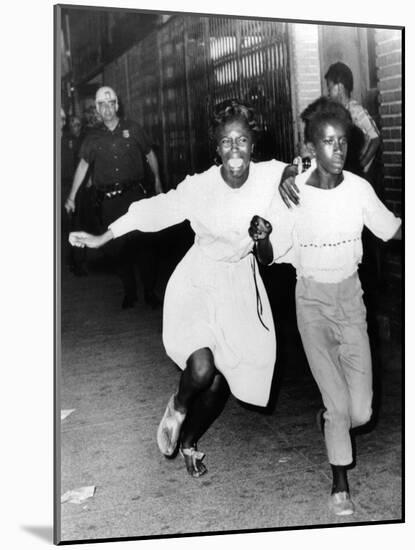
259, 229
81, 239
298, 163
289, 191
69, 205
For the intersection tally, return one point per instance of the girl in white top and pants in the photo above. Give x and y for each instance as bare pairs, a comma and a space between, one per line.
322, 239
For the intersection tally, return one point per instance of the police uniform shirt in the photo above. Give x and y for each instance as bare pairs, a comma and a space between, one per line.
116, 156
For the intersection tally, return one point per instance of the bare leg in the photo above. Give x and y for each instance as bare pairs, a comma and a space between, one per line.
200, 399
196, 378
202, 413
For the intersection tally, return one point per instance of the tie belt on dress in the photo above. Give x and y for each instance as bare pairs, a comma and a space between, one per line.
259, 308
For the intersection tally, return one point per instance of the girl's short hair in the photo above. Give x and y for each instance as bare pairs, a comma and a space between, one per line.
232, 110
323, 110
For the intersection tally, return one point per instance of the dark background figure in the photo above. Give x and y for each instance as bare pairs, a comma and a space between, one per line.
68, 164
83, 216
75, 136
118, 153
364, 141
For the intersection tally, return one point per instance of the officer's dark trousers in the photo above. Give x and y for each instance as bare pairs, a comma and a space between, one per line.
85, 218
134, 247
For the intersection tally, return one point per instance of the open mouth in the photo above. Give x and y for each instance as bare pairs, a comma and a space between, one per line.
235, 163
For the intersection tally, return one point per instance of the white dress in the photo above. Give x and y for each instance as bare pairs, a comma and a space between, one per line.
215, 298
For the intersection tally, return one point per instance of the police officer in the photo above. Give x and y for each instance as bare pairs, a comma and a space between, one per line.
116, 151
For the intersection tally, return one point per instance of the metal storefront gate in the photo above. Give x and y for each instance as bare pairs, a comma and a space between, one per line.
171, 80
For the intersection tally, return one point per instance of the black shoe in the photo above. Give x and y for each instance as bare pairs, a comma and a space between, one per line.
152, 300
128, 301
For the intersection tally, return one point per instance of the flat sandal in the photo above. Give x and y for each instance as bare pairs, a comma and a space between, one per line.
193, 460
169, 428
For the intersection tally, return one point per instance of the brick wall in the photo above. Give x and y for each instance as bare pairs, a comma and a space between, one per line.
389, 64
389, 68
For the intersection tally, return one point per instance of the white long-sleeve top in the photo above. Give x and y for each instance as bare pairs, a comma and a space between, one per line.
322, 237
219, 215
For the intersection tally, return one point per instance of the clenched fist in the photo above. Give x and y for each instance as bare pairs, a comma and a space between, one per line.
259, 229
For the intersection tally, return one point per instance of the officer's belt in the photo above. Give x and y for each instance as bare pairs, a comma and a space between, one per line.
114, 190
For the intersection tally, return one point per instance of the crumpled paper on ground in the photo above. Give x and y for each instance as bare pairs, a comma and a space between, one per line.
66, 412
77, 496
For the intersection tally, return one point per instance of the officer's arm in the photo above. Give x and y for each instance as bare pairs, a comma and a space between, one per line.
154, 165
78, 178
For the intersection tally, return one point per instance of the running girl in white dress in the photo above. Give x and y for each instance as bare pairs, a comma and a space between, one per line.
217, 321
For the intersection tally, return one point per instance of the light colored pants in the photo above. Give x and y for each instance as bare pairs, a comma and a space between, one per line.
332, 322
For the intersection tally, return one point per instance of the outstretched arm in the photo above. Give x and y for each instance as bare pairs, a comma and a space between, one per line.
81, 239
259, 231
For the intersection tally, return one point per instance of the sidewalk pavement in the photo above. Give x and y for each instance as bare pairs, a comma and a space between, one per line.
267, 469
